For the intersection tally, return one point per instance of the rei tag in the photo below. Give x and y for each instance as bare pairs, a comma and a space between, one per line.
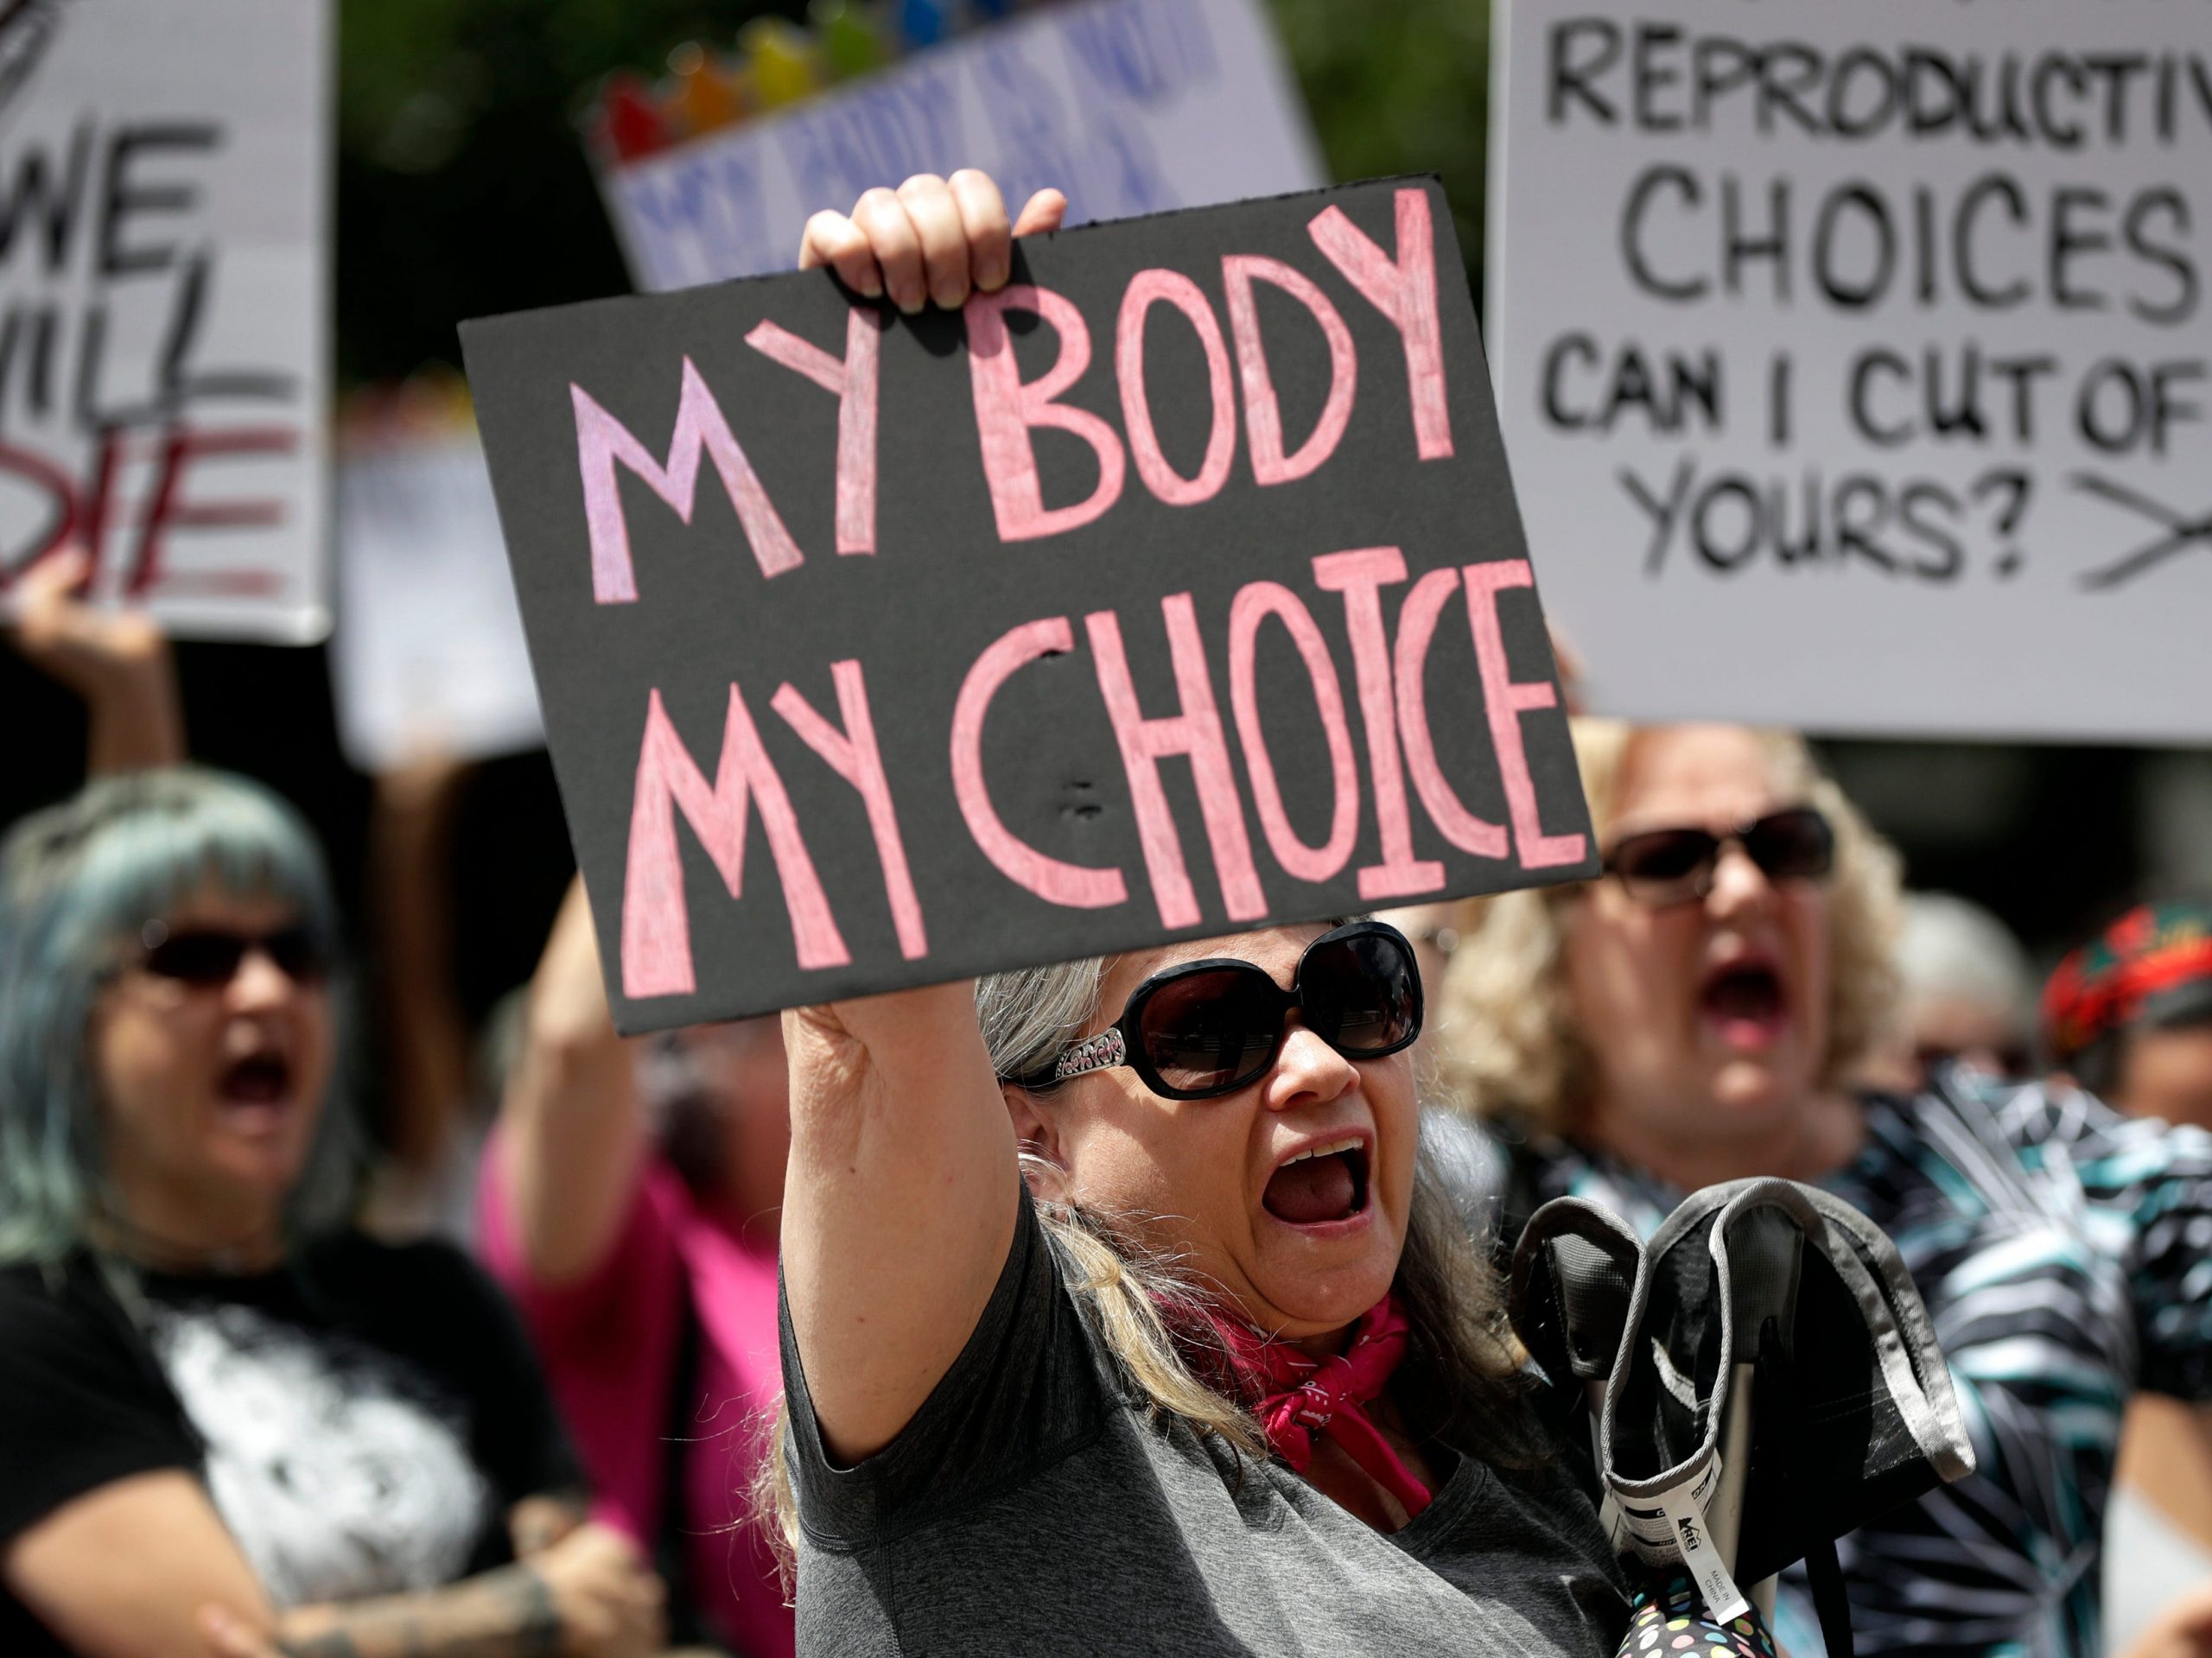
1686, 1516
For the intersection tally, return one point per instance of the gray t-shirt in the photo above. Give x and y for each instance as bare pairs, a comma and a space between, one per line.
1032, 1506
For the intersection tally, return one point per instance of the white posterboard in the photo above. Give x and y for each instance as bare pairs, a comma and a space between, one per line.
1130, 106
1853, 359
163, 310
428, 658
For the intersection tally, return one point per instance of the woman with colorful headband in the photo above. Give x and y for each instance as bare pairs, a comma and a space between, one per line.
2129, 1016
1119, 1315
1699, 1014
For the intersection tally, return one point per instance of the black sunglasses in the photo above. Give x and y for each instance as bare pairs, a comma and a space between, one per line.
1202, 1029
208, 956
1663, 868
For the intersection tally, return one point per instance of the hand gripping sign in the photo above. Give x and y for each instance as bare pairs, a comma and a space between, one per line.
1175, 589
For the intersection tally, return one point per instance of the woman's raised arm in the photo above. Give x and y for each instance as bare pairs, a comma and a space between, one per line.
899, 1202
898, 1205
572, 1134
118, 660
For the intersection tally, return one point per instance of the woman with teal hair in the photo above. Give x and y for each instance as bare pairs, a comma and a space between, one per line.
221, 1407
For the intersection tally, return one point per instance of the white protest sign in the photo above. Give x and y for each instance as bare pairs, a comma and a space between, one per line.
1853, 359
164, 308
428, 656
1131, 107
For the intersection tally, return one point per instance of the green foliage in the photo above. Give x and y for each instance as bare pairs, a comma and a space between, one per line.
462, 184
463, 187
1398, 86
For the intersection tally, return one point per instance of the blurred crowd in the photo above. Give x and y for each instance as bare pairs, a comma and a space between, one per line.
502, 1379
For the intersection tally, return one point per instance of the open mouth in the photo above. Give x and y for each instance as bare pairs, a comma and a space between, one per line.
1325, 1183
1746, 1001
260, 1079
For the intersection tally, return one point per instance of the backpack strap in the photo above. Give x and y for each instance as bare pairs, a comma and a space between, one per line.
1776, 1388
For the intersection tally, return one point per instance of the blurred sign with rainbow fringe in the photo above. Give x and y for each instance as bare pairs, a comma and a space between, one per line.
1131, 107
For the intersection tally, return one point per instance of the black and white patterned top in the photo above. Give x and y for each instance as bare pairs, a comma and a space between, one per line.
363, 1418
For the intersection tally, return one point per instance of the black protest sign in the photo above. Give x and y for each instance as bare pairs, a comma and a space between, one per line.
1175, 590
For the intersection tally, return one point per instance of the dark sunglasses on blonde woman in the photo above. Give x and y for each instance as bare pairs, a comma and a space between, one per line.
1666, 866
1202, 1029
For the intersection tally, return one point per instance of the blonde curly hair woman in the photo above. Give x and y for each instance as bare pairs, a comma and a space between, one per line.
1698, 1014
1511, 1043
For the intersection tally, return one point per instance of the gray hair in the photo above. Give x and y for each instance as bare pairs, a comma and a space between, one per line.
1030, 1016
78, 884
1951, 947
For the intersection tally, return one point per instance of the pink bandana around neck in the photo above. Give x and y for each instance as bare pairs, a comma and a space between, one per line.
1300, 1396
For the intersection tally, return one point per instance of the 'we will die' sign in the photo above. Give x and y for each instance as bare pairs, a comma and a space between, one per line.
1176, 589
165, 254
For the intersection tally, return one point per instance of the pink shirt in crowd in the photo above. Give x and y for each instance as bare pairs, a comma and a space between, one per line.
611, 1342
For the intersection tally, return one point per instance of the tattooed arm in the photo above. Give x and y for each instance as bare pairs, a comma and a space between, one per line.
586, 1596
144, 1568
509, 1613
